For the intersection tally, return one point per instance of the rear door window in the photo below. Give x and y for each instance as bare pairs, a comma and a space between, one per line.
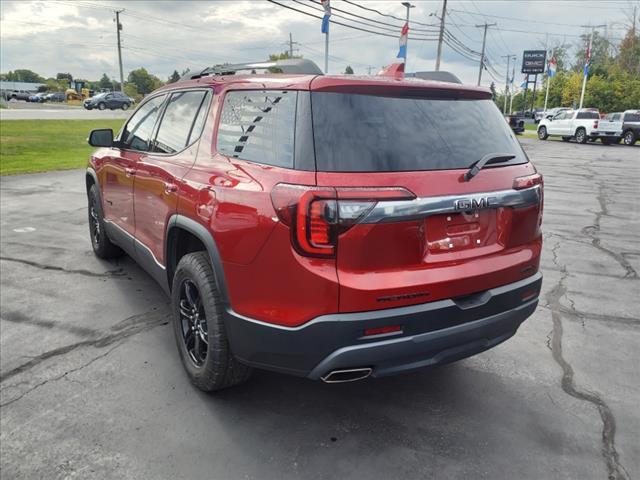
366, 133
258, 126
137, 133
178, 120
632, 117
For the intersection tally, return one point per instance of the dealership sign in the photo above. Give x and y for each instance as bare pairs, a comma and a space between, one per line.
533, 61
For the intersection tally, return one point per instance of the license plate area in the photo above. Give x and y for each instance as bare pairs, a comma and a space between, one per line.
456, 232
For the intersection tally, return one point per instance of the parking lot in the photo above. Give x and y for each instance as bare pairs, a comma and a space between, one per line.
92, 386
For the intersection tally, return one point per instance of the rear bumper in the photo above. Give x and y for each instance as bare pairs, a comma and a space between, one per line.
601, 134
432, 333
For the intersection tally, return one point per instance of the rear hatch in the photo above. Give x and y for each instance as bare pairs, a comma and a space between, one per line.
411, 228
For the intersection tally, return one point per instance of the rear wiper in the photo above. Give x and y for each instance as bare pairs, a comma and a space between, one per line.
475, 167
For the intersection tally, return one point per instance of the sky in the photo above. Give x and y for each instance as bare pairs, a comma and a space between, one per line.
79, 36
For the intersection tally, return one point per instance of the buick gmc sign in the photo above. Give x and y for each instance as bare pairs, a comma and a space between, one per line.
533, 61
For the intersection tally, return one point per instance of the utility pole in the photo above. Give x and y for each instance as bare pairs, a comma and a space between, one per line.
506, 83
440, 38
586, 71
291, 43
408, 7
118, 28
484, 42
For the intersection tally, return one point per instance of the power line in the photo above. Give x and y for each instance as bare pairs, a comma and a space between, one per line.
346, 25
386, 14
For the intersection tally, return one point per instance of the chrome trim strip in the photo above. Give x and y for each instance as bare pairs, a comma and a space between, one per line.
403, 210
136, 242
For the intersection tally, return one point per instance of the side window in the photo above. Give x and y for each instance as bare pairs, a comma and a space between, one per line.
137, 133
178, 121
259, 126
559, 116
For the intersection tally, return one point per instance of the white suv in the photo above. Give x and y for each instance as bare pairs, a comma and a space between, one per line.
578, 124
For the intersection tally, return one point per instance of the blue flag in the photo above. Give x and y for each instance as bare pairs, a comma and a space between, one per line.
327, 16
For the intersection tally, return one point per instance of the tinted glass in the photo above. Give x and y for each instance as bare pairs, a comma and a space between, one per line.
177, 120
587, 115
364, 133
201, 118
137, 133
632, 117
258, 126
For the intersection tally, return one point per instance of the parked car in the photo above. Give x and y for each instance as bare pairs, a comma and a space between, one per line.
110, 100
17, 95
578, 124
516, 123
609, 128
56, 97
549, 113
631, 127
329, 242
38, 97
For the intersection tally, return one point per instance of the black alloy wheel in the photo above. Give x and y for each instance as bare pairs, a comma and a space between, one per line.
193, 323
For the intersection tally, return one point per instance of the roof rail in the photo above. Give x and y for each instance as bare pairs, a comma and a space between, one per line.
292, 65
438, 76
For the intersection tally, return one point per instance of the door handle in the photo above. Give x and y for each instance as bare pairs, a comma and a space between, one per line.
130, 171
170, 187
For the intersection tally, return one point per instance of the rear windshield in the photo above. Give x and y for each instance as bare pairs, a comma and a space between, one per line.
587, 115
366, 133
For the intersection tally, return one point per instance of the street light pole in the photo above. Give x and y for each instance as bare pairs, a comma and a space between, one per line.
408, 7
441, 36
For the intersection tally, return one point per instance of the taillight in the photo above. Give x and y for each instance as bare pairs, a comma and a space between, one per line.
318, 215
528, 181
595, 124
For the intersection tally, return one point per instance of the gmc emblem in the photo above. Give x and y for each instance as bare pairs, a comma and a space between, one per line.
474, 203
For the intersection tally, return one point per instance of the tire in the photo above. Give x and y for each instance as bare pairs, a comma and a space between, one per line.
203, 346
101, 106
629, 138
125, 106
606, 141
581, 136
566, 139
542, 133
100, 242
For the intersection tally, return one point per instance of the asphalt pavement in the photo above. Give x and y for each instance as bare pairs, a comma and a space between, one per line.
92, 386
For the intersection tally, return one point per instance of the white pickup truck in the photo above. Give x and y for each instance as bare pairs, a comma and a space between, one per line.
578, 124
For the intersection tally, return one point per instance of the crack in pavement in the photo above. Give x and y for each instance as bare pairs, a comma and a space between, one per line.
15, 316
54, 379
108, 274
615, 469
124, 329
593, 231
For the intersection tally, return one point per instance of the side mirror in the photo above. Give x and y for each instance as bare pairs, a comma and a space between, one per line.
102, 137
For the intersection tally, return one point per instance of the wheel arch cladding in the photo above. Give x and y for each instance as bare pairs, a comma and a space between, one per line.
196, 236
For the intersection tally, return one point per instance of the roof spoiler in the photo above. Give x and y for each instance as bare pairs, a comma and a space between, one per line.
292, 65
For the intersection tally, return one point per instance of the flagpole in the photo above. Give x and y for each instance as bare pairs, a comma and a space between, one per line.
586, 70
326, 49
546, 96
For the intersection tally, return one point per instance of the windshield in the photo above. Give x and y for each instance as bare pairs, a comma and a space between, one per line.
366, 133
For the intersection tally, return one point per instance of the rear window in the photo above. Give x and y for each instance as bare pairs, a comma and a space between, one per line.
587, 115
632, 117
365, 133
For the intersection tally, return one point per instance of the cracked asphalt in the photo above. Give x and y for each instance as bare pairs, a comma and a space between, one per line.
91, 385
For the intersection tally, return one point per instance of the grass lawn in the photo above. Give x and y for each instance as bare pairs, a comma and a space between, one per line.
28, 146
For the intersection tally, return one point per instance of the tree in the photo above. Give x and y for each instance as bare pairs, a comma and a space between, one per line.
348, 70
64, 76
494, 94
175, 76
24, 75
105, 82
145, 82
629, 56
130, 90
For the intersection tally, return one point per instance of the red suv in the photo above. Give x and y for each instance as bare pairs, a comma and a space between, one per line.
331, 227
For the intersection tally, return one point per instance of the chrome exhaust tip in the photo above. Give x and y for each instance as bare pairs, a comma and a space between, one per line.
348, 375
